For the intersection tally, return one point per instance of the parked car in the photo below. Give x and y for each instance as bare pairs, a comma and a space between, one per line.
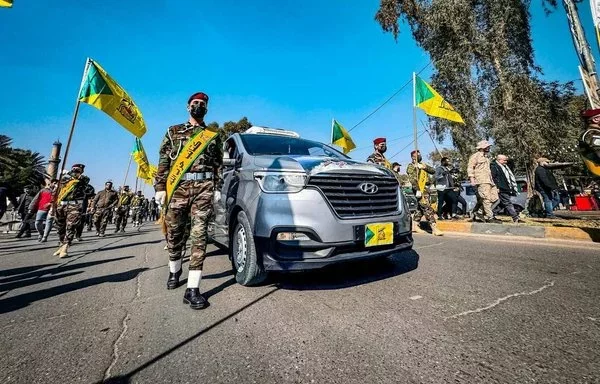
519, 201
290, 204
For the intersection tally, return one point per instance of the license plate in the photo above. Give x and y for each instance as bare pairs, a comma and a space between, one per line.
379, 234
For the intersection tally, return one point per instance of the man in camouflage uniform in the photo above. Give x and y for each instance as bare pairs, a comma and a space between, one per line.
192, 199
104, 202
69, 208
413, 170
480, 175
377, 156
122, 211
136, 208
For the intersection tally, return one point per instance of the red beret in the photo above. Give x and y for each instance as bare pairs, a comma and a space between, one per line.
379, 140
198, 95
414, 151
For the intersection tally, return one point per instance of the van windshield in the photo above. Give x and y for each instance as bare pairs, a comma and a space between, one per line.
257, 145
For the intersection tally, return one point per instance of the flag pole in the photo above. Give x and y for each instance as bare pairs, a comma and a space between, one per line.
415, 111
127, 172
64, 161
66, 154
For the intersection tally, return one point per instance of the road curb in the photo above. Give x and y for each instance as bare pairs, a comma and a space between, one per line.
590, 235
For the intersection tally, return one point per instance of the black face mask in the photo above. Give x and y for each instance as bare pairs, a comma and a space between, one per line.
198, 111
419, 158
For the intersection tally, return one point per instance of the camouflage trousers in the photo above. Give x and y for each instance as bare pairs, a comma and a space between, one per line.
192, 202
67, 219
122, 215
424, 209
136, 214
101, 219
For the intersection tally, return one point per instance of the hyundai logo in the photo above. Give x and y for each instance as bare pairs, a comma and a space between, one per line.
368, 188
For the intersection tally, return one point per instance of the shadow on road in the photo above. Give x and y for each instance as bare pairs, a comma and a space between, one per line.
21, 270
123, 379
58, 269
9, 286
348, 274
130, 245
21, 301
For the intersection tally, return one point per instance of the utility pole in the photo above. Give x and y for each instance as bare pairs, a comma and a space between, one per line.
584, 54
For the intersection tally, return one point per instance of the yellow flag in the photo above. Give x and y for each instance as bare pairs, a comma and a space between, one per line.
6, 3
432, 103
341, 137
145, 170
101, 91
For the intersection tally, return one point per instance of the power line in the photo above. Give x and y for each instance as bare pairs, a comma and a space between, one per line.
389, 141
408, 145
389, 99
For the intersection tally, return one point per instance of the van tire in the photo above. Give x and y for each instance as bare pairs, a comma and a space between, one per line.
247, 267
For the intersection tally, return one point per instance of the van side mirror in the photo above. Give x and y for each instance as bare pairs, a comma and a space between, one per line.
228, 161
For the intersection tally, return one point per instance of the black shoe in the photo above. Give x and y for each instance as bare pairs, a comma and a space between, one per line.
193, 297
493, 220
29, 234
18, 236
173, 281
117, 230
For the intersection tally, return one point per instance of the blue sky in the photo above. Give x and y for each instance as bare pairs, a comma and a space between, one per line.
295, 65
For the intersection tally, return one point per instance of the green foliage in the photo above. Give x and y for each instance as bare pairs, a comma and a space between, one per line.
231, 127
20, 167
485, 67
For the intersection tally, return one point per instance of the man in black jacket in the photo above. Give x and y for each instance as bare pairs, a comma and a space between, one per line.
546, 185
507, 185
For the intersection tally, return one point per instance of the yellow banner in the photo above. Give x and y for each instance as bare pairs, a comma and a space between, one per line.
103, 92
66, 189
379, 234
190, 152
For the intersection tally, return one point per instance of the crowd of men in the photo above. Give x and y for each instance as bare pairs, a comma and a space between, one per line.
494, 182
77, 207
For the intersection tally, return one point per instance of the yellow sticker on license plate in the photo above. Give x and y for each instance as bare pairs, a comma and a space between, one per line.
379, 234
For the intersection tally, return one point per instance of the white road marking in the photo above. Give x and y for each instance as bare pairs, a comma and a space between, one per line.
416, 297
500, 300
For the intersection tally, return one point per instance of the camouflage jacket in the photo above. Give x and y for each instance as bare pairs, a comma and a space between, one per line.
137, 201
81, 190
413, 173
106, 199
379, 159
479, 168
125, 198
176, 137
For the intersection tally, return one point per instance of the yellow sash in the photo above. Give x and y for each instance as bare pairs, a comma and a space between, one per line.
190, 152
422, 179
66, 189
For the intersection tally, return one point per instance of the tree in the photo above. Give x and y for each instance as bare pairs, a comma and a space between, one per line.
483, 55
20, 167
231, 127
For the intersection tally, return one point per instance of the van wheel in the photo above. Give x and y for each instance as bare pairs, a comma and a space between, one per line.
247, 268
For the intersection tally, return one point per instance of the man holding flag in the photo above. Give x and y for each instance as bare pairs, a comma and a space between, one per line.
190, 158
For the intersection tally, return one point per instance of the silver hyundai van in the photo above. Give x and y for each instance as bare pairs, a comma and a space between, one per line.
289, 204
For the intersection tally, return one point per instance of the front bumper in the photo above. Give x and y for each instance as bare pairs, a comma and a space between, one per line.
294, 255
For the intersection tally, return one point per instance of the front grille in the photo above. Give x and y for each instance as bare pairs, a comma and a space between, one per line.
348, 201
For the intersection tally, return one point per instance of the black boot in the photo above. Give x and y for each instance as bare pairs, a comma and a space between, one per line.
173, 281
193, 297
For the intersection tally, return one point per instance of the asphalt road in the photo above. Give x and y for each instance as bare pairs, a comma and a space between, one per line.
457, 309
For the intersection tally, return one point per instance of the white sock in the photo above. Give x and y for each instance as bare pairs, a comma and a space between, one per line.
194, 279
174, 266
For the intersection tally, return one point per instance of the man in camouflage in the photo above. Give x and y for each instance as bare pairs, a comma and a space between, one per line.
377, 156
122, 211
104, 203
69, 204
192, 199
413, 170
136, 208
480, 175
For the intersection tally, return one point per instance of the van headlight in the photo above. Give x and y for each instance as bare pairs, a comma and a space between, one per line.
281, 182
400, 200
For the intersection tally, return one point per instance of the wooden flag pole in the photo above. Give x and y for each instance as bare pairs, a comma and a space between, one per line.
66, 154
127, 172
